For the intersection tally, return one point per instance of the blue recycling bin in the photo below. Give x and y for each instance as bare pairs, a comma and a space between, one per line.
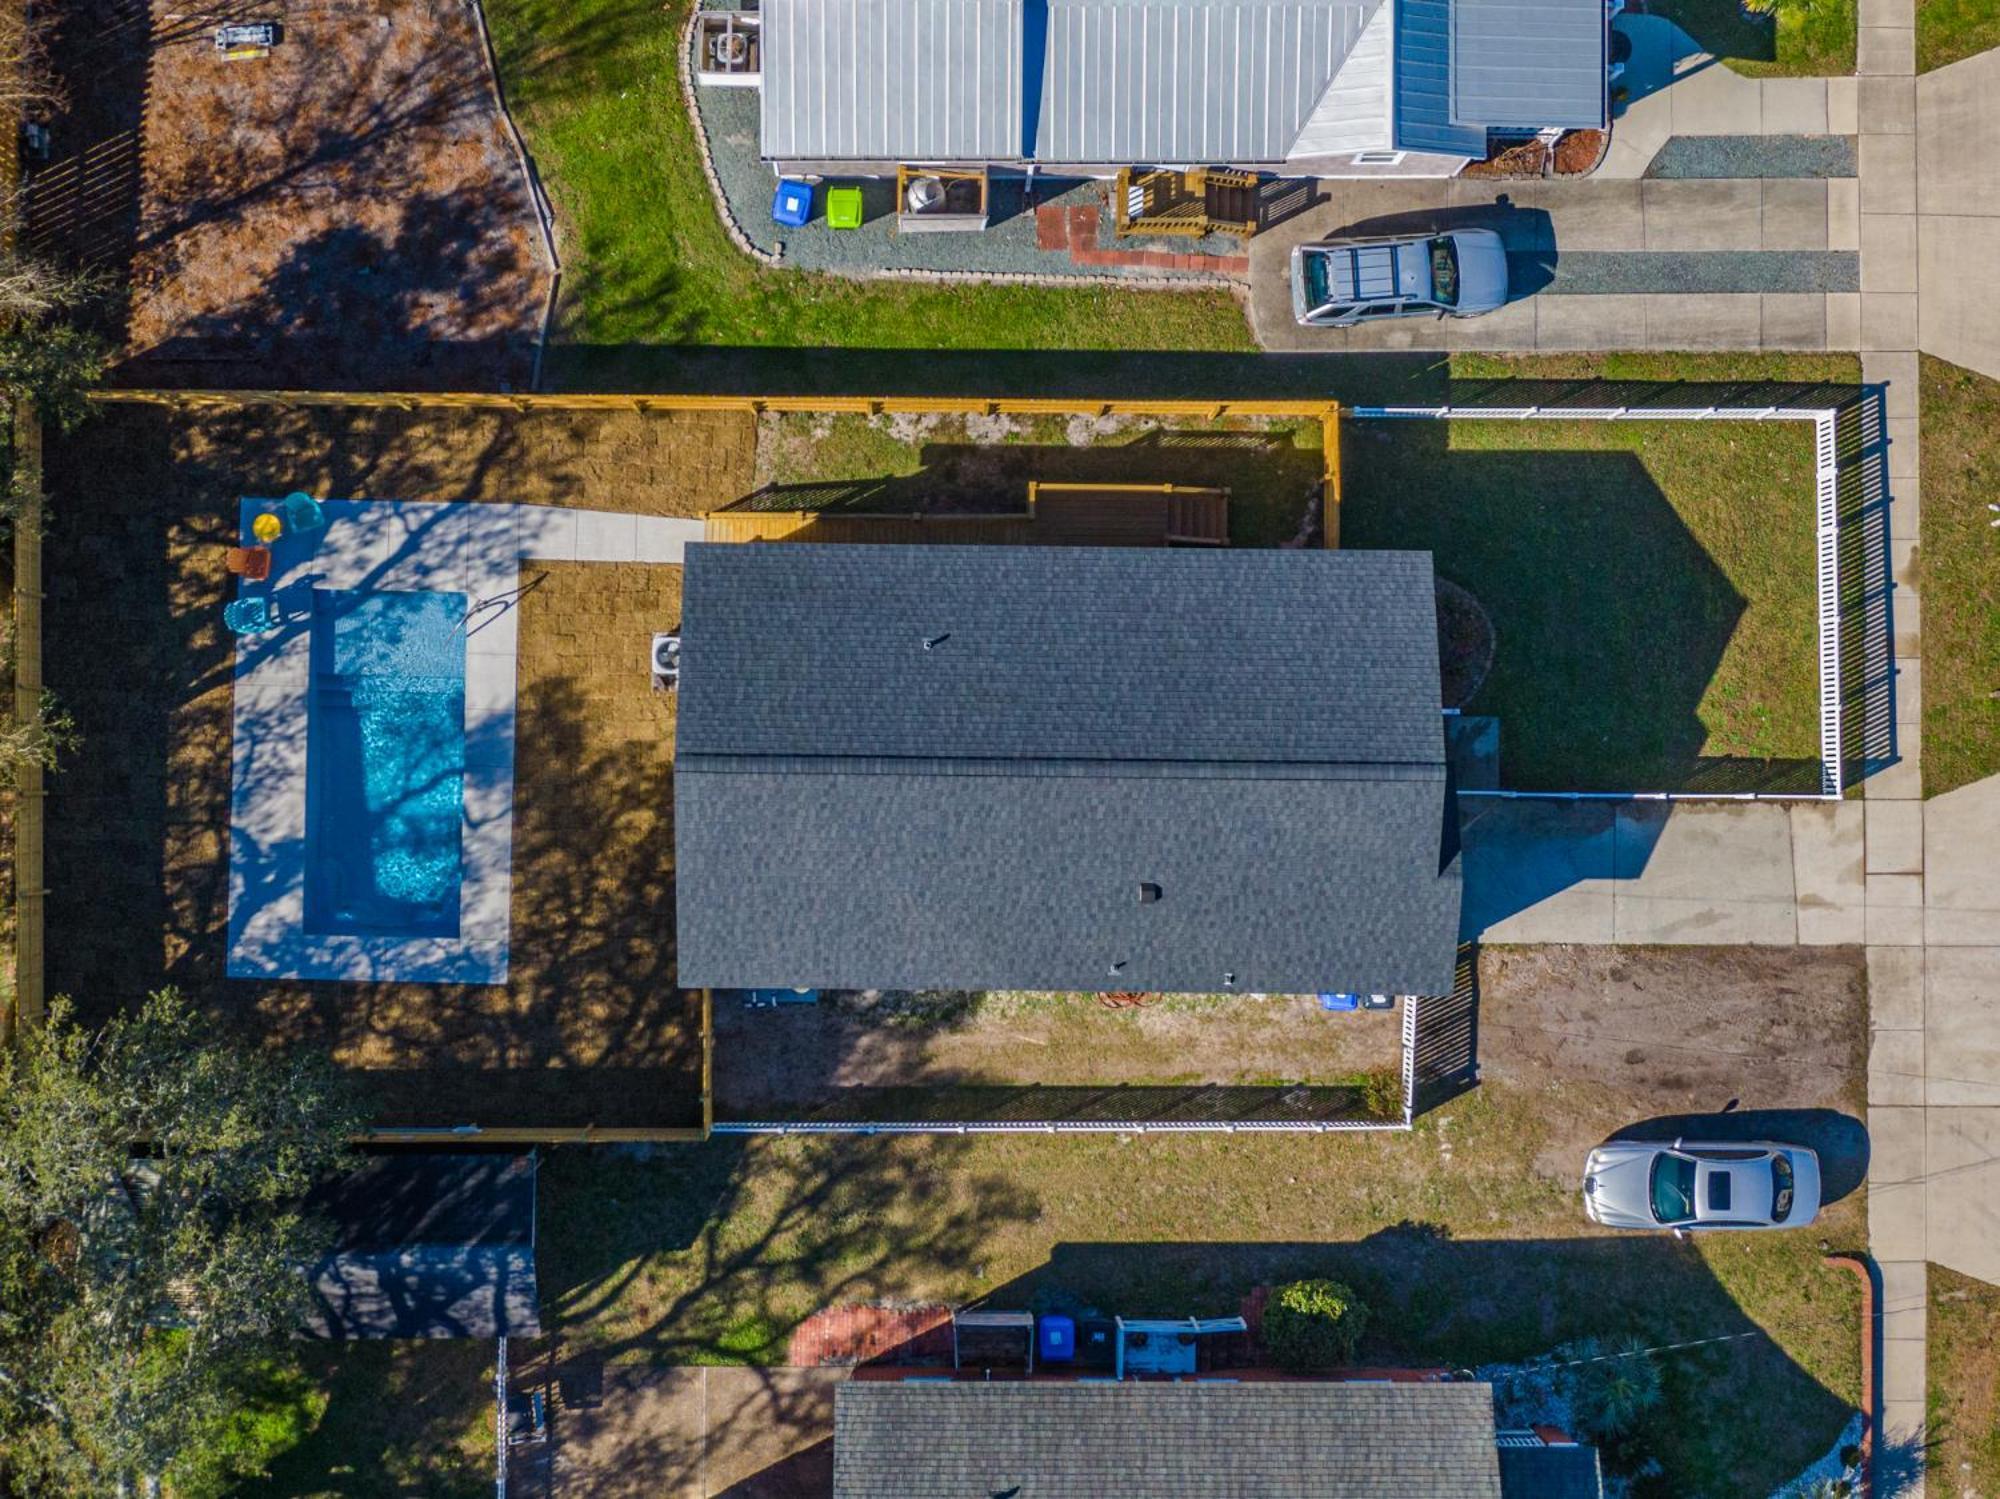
1340, 1002
793, 204
1058, 1340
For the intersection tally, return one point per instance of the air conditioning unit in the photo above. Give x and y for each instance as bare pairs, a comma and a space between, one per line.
666, 661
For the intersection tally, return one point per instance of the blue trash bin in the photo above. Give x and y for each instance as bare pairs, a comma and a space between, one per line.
793, 204
1058, 1340
1340, 1002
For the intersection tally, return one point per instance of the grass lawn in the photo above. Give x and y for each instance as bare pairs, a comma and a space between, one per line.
1948, 30
594, 85
1959, 576
1964, 1329
1794, 37
1651, 587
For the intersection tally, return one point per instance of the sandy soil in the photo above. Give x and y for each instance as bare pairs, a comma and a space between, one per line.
347, 211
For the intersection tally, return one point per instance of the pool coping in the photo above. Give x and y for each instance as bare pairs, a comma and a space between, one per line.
397, 546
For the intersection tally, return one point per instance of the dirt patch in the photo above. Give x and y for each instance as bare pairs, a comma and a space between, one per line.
772, 1063
591, 1026
346, 211
1627, 1033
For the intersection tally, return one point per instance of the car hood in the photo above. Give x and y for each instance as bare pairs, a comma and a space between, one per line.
1618, 1187
1482, 271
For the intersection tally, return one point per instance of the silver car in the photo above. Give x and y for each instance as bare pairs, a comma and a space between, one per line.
1682, 1186
1338, 283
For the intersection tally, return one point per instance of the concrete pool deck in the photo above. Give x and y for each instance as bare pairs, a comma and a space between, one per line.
399, 546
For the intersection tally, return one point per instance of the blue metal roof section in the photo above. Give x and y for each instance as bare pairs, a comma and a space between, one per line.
1423, 115
1528, 64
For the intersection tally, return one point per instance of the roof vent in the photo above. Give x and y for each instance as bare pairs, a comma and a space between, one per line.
1149, 892
932, 642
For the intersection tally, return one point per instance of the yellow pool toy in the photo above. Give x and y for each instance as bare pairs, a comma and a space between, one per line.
267, 528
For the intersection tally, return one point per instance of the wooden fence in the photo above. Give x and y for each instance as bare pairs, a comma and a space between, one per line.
29, 1000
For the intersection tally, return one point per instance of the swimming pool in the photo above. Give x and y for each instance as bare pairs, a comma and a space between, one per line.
385, 763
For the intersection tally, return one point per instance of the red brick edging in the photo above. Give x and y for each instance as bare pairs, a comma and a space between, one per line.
1871, 1344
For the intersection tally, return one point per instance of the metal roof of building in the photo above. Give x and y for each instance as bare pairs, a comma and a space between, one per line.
1528, 64
929, 766
1192, 1441
1188, 81
1423, 112
892, 80
1541, 1472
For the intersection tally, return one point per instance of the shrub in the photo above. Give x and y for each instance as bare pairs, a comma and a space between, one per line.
1313, 1324
1610, 1393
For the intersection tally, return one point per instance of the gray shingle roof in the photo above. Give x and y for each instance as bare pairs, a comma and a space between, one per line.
1255, 733
428, 1246
1528, 64
1173, 1441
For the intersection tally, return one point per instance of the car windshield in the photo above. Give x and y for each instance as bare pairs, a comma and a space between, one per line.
1314, 271
1673, 1188
1781, 1189
1444, 273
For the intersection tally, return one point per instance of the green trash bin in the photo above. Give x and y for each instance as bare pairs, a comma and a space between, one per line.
843, 208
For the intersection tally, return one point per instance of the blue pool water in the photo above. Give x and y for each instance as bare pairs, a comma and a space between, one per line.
385, 763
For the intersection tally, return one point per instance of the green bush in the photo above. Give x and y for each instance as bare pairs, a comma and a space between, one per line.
1313, 1324
1616, 1386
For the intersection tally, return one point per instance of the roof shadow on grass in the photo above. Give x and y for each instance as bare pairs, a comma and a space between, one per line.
1440, 1301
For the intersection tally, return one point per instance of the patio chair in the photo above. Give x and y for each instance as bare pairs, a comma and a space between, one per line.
250, 616
303, 512
253, 564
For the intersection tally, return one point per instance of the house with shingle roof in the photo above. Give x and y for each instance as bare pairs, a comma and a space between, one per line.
1063, 769
1187, 1440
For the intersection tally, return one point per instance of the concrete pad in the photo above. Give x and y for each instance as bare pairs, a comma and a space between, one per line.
1906, 609
1591, 323
1962, 1208
1843, 214
1906, 510
1711, 100
760, 1418
1833, 926
1538, 871
1895, 891
1896, 988
1905, 1292
1903, 566
1902, 1364
1958, 121
1909, 690
1888, 105
1704, 874
1843, 320
1888, 13
1888, 171
605, 537
1842, 107
1592, 215
1896, 372
1828, 866
1794, 106
1895, 926
1509, 327
1901, 781
1896, 1068
1702, 214
1888, 319
1885, 50
1897, 1148
1888, 252
1904, 449
1961, 837
1961, 1001
1895, 837
1795, 215
1946, 928
1792, 320
1704, 321
1954, 321
1896, 1219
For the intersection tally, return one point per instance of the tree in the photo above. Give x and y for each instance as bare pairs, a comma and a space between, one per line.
152, 1246
1610, 1385
1313, 1324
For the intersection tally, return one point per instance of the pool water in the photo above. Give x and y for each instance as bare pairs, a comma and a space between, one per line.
385, 763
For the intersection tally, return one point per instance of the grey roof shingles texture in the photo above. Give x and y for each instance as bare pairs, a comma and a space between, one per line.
1175, 1441
1256, 734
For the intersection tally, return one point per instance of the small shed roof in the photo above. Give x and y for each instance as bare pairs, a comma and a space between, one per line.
892, 80
1194, 1441
1169, 81
1528, 64
429, 1246
1542, 1472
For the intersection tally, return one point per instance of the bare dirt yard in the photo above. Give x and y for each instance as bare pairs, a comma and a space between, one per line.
347, 211
591, 1027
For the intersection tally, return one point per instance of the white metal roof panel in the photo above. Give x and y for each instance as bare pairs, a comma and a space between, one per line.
1528, 64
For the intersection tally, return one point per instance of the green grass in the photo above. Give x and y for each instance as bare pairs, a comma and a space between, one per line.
1807, 38
1651, 587
1964, 1376
1958, 562
712, 1255
595, 87
1948, 30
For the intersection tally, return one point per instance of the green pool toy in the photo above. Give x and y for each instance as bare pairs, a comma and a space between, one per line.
843, 208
